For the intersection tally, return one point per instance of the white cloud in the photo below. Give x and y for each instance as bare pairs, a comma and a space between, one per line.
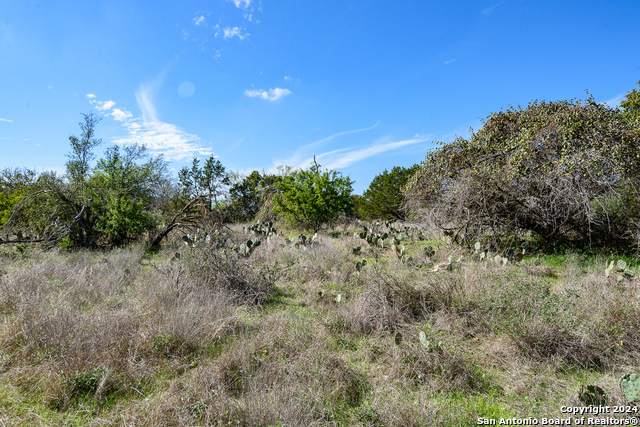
344, 157
5, 120
159, 137
615, 102
50, 87
163, 138
304, 155
347, 159
199, 20
449, 61
270, 95
241, 4
230, 32
121, 115
104, 106
90, 95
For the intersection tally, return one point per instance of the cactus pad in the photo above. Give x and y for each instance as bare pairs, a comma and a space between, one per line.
592, 395
398, 338
630, 385
424, 341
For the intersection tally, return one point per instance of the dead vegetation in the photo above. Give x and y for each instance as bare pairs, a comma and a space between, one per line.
298, 336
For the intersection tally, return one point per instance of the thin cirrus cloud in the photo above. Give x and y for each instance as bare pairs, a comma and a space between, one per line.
303, 156
270, 95
343, 160
343, 157
5, 120
159, 137
615, 102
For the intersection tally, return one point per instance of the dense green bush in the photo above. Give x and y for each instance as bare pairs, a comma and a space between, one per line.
312, 197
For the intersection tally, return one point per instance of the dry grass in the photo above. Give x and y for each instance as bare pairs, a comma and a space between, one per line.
121, 338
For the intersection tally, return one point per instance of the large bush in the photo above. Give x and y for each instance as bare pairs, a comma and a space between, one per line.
564, 170
313, 197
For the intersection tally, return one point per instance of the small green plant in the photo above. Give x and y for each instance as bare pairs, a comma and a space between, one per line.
398, 338
360, 265
86, 382
630, 385
429, 252
592, 395
356, 251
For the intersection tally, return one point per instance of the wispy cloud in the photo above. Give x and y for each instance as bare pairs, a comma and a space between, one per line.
199, 20
270, 95
5, 120
450, 61
162, 138
615, 102
90, 95
303, 156
488, 10
159, 137
347, 159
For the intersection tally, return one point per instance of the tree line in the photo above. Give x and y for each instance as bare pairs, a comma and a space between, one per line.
565, 172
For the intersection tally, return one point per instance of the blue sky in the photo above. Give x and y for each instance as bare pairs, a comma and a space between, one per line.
363, 85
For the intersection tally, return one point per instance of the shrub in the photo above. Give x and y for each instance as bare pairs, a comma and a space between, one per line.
311, 197
565, 171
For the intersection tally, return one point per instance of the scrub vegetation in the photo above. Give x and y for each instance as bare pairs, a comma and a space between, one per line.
497, 279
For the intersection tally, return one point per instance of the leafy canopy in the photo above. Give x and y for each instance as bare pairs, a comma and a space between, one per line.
383, 199
312, 197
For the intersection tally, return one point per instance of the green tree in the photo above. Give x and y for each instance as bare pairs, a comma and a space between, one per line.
312, 197
565, 171
631, 104
122, 189
209, 181
248, 196
383, 199
106, 205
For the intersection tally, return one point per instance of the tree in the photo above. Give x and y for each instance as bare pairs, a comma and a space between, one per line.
565, 171
248, 196
312, 197
122, 190
106, 205
209, 181
383, 199
631, 104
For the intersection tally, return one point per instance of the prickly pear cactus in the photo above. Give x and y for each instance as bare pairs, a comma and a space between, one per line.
398, 338
630, 385
592, 395
424, 341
